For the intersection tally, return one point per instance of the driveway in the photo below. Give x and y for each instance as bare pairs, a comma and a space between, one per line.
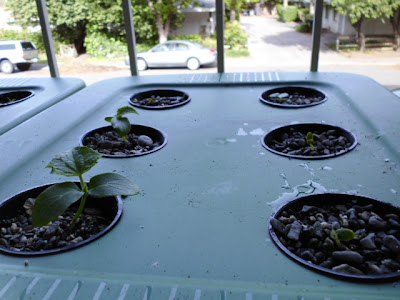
274, 46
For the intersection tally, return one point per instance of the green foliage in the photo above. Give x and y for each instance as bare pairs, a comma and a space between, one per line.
304, 15
366, 9
56, 199
168, 15
191, 37
100, 44
235, 35
120, 123
289, 14
144, 46
279, 9
243, 52
72, 20
210, 41
234, 7
342, 235
304, 28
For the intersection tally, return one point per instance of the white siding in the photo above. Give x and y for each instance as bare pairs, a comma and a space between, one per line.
341, 24
196, 23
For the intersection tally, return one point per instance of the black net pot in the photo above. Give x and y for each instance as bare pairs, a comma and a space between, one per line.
372, 256
290, 141
107, 210
159, 99
138, 141
293, 97
13, 97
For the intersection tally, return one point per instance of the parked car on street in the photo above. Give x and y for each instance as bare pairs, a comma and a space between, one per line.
18, 53
176, 53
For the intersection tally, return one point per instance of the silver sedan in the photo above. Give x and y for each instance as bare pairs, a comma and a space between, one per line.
176, 53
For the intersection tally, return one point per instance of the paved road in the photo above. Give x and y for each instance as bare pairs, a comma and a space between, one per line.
274, 46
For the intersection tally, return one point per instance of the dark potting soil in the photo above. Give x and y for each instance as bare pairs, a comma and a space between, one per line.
12, 97
293, 96
110, 142
155, 100
294, 142
17, 233
305, 232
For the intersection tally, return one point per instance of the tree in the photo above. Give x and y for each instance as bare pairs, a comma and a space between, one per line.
168, 15
68, 18
395, 20
234, 7
360, 10
72, 20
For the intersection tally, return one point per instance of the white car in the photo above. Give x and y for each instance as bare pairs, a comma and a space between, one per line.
18, 53
176, 53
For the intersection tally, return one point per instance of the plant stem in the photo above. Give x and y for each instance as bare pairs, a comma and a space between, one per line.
83, 201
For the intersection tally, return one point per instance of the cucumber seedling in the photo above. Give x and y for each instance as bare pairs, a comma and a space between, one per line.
120, 123
56, 199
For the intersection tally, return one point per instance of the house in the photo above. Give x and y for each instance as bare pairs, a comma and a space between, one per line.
340, 24
4, 15
337, 23
200, 19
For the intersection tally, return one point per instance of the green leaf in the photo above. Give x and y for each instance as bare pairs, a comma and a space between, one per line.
334, 235
111, 184
345, 234
74, 162
126, 110
122, 126
54, 201
108, 119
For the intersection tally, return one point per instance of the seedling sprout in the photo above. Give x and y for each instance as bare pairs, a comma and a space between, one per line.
120, 123
342, 235
310, 140
56, 199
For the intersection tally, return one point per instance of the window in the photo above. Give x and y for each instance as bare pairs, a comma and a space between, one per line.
7, 47
160, 48
27, 46
181, 47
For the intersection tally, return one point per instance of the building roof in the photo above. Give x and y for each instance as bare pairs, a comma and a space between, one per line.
200, 6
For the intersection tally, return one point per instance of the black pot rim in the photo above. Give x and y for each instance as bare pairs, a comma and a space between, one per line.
350, 134
289, 105
160, 107
20, 100
162, 133
326, 271
118, 203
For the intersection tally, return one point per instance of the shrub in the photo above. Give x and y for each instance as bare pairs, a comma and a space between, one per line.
304, 27
190, 37
289, 14
235, 35
279, 9
307, 20
99, 44
237, 53
210, 41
